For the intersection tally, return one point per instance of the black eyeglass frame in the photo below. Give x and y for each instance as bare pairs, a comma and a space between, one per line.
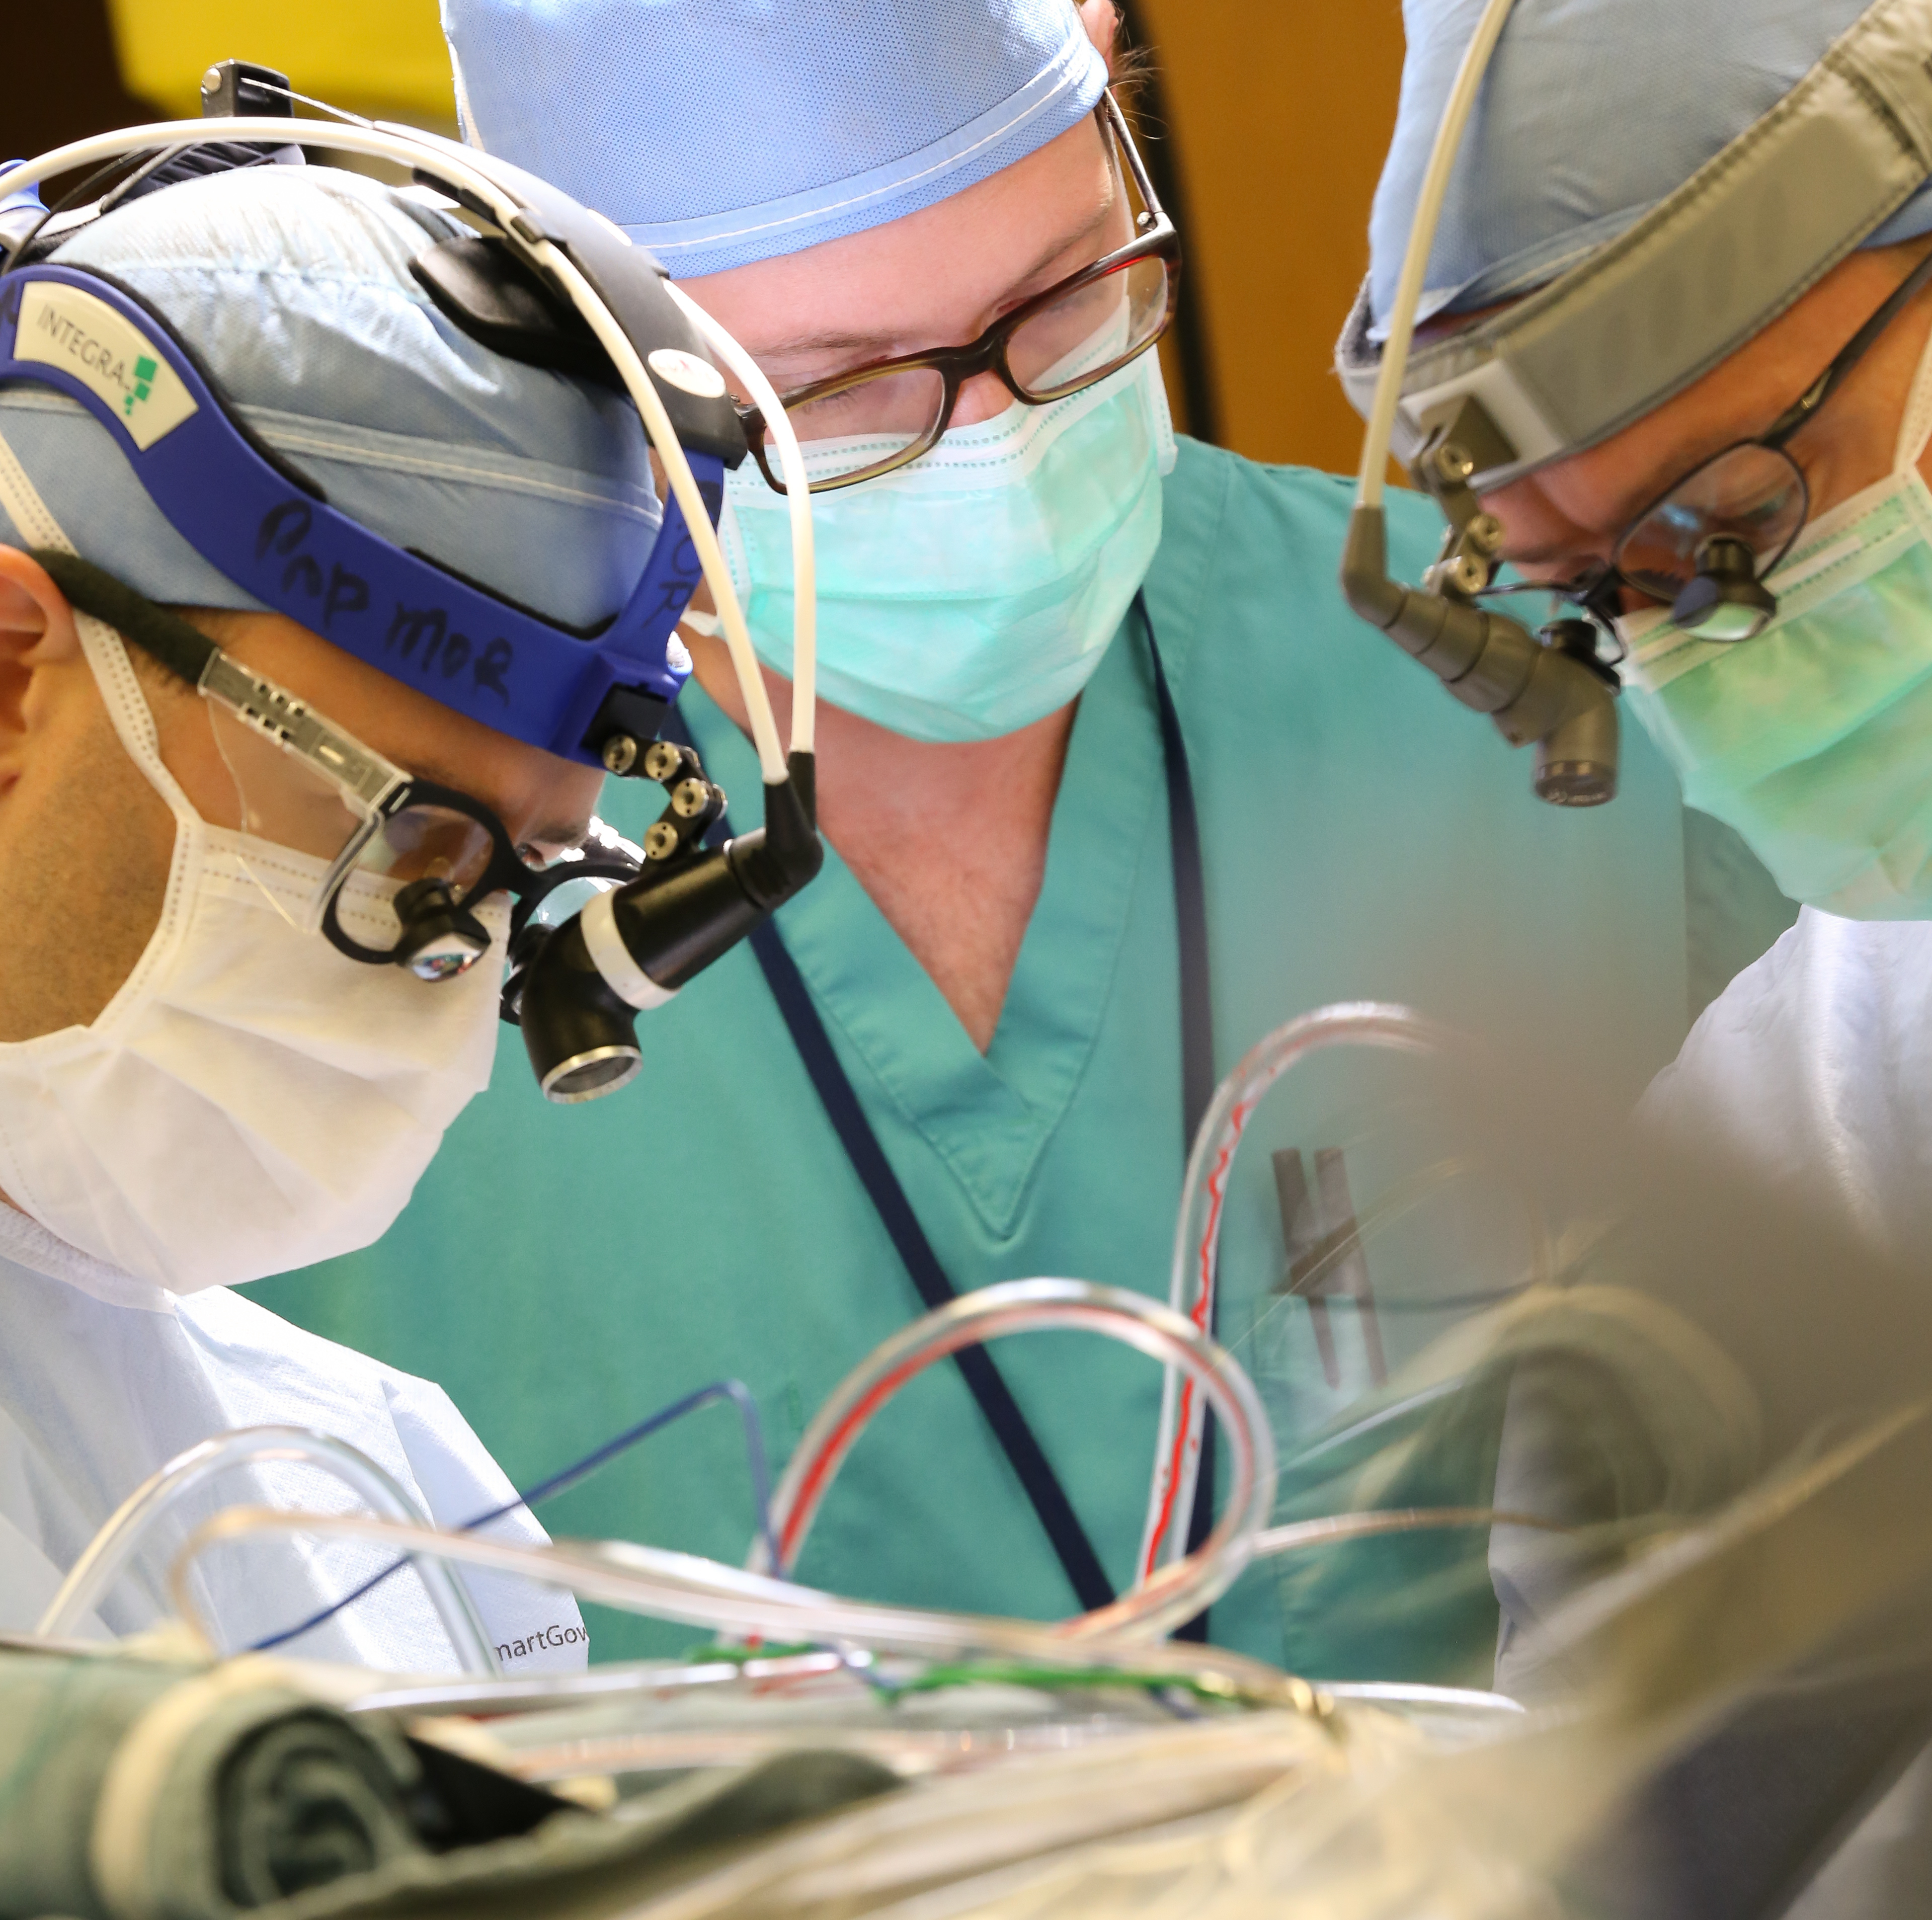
375, 791
1596, 593
1157, 239
506, 872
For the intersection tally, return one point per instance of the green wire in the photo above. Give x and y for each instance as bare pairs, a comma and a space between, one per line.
1055, 1679
1046, 1679
704, 1655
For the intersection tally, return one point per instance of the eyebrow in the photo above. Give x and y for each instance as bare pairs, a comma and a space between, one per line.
879, 343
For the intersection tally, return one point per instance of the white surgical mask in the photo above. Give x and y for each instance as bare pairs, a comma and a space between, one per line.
975, 591
249, 1101
1814, 739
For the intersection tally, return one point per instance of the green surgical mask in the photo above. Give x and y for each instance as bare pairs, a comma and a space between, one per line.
1814, 739
974, 592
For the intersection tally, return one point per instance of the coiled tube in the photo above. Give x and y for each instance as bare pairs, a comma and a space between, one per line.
1198, 1231
1178, 1592
107, 1555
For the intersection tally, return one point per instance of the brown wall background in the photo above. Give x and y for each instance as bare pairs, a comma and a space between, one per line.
1277, 115
1280, 114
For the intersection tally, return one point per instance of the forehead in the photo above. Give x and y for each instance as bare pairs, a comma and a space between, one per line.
931, 276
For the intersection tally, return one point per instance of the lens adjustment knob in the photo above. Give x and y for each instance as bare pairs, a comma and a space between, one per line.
441, 938
1726, 601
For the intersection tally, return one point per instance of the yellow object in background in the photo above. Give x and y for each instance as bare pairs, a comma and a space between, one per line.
1282, 114
382, 57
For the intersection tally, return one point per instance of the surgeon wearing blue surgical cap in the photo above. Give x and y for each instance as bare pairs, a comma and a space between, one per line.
195, 1087
1811, 737
1058, 646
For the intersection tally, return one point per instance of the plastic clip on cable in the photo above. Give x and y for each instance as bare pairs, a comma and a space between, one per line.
553, 282
1549, 689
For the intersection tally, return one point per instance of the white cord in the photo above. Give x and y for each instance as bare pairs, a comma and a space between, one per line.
1421, 242
399, 148
798, 497
684, 487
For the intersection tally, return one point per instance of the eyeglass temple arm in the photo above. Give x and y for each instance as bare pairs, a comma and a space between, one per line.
1116, 121
1847, 357
185, 651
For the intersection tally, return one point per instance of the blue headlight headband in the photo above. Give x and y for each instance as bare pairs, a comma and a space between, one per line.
276, 537
271, 531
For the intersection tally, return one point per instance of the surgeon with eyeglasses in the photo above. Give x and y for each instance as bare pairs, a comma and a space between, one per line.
1733, 207
1718, 219
1112, 784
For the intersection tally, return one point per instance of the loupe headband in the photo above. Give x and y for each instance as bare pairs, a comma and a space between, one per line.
272, 532
1705, 271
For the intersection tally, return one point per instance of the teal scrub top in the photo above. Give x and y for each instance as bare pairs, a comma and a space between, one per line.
564, 1271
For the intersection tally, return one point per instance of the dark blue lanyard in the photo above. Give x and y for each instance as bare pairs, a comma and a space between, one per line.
840, 1099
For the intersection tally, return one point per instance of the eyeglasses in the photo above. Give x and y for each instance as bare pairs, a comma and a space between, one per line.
874, 419
405, 861
1702, 547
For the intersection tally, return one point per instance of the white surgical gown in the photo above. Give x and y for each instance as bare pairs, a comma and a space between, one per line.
1816, 1065
104, 1378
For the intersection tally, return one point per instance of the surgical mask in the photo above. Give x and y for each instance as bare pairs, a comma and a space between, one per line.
1814, 740
974, 592
249, 1101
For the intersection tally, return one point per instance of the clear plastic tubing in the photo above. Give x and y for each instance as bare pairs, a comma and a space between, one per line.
798, 499
107, 1555
728, 1600
1297, 1535
1197, 1230
1178, 1592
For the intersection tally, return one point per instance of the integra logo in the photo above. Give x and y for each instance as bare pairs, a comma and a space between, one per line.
88, 340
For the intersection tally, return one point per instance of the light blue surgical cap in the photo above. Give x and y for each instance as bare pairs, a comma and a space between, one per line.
1592, 112
716, 132
292, 284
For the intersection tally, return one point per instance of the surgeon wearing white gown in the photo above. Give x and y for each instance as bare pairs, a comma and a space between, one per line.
195, 1091
1791, 685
